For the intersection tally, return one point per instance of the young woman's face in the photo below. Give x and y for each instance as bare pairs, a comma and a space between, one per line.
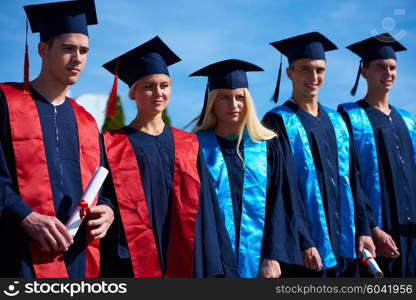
229, 106
152, 93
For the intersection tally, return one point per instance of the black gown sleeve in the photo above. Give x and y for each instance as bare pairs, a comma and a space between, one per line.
114, 254
213, 256
361, 201
3, 181
275, 123
365, 222
102, 199
286, 230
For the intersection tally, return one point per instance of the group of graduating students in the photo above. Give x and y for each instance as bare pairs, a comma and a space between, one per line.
300, 193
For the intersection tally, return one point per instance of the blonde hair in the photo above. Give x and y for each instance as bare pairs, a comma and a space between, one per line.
131, 90
256, 131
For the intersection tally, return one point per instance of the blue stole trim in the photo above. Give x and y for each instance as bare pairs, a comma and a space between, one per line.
347, 235
310, 190
253, 202
410, 122
364, 139
365, 144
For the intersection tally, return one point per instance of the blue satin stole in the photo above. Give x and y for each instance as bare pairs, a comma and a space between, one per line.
310, 190
253, 202
410, 122
365, 144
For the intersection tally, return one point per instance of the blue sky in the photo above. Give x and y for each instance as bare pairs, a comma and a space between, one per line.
203, 32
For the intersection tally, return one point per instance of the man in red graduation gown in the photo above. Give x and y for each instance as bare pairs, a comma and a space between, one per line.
51, 148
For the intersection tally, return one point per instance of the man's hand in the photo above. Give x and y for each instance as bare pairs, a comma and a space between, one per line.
99, 218
51, 234
270, 269
365, 241
312, 259
385, 244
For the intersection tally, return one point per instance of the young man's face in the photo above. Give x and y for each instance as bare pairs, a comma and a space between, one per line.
380, 74
65, 58
307, 76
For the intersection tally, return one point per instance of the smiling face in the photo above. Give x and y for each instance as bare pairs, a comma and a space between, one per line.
380, 74
307, 76
229, 106
152, 93
64, 57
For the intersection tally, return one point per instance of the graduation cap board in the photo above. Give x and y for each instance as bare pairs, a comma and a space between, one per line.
53, 19
151, 57
226, 74
309, 45
382, 46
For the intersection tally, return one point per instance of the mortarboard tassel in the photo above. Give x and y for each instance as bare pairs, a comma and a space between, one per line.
354, 89
112, 98
204, 108
26, 85
277, 88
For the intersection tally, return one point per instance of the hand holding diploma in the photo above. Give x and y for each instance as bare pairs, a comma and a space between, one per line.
84, 208
369, 261
48, 231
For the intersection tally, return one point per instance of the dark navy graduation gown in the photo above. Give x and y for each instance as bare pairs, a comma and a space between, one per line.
4, 180
397, 171
322, 139
212, 248
60, 137
286, 231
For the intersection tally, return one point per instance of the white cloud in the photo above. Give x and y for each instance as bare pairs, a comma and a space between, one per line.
344, 11
95, 104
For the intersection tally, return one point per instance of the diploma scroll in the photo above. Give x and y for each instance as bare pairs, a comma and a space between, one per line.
87, 199
372, 265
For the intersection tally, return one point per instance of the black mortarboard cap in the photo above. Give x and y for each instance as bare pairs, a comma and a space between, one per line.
382, 46
53, 19
308, 45
152, 57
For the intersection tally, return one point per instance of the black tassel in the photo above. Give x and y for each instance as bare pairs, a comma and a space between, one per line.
204, 108
277, 88
354, 89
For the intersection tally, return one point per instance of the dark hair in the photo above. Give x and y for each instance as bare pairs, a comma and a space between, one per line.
366, 64
50, 42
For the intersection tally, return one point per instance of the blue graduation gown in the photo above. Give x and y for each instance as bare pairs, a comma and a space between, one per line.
286, 231
397, 171
322, 139
212, 249
60, 137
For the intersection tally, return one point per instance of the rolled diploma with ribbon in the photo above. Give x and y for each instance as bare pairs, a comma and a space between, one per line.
372, 264
87, 199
